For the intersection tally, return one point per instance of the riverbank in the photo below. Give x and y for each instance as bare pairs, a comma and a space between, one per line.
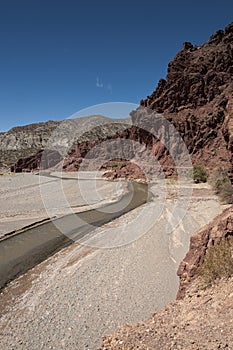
82, 293
25, 249
23, 197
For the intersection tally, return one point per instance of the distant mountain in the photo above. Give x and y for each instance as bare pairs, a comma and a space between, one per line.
26, 141
196, 97
23, 141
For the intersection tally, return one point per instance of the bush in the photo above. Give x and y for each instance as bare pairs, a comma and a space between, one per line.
222, 186
115, 166
218, 262
199, 174
225, 191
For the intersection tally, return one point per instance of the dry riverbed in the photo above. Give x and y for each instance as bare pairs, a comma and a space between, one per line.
27, 198
84, 292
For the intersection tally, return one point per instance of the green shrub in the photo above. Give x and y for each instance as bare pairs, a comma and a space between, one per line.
115, 166
218, 262
199, 174
222, 186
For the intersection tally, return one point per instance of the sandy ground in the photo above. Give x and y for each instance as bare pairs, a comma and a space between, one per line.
82, 293
27, 198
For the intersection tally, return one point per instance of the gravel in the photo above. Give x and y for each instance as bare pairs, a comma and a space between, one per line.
82, 293
23, 197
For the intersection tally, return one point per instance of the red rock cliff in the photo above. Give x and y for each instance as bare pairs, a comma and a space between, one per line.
196, 97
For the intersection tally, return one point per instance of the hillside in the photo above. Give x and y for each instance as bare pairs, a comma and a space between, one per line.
26, 143
197, 97
23, 141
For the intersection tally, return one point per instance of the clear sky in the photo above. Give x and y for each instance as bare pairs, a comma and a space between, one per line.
57, 57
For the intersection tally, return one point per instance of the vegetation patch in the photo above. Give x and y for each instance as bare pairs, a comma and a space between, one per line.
115, 166
199, 174
111, 165
218, 262
222, 186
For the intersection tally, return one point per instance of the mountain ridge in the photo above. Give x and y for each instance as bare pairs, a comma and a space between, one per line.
21, 142
197, 98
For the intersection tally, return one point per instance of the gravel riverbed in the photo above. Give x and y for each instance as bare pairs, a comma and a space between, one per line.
82, 293
27, 198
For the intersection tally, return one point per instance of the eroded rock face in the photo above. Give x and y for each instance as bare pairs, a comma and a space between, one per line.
228, 133
196, 76
212, 234
123, 169
197, 98
41, 160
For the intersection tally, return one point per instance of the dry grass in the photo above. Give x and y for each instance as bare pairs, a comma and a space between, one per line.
218, 262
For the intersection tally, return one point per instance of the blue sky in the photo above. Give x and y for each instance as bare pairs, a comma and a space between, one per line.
57, 57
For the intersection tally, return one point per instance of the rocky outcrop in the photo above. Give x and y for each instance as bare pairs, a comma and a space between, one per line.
197, 98
196, 76
228, 133
123, 169
40, 161
210, 235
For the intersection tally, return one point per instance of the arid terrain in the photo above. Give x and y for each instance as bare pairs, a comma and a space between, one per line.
83, 293
27, 198
148, 261
203, 321
202, 316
